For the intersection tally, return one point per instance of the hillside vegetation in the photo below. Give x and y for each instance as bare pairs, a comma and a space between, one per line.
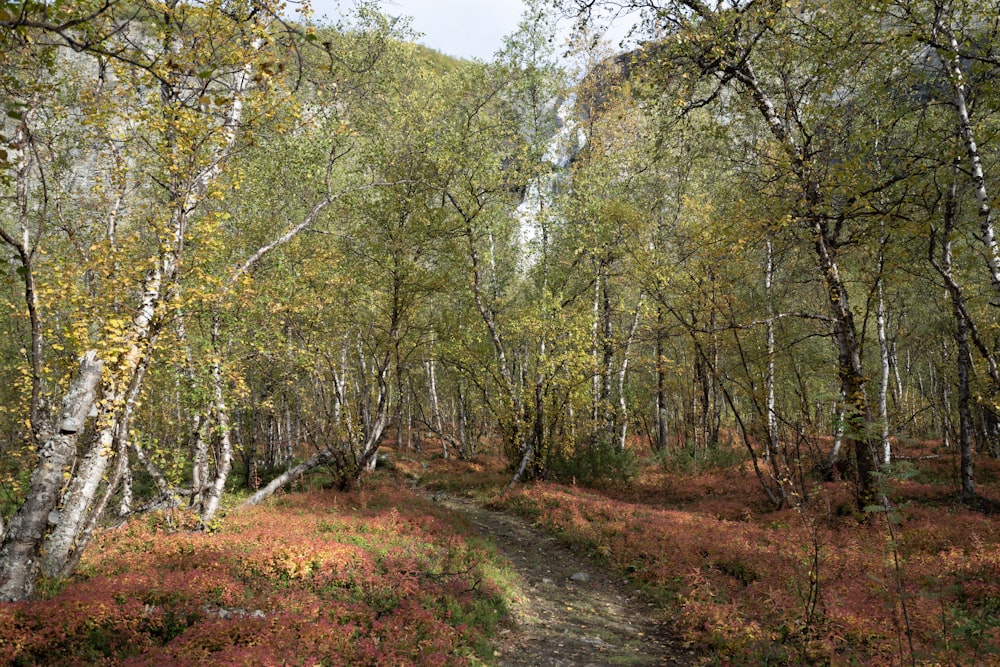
744, 277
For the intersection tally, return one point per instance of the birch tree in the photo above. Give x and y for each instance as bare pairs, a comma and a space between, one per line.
186, 96
733, 50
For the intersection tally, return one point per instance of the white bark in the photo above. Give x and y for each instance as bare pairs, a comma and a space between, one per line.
622, 376
21, 161
883, 393
199, 459
125, 506
435, 406
287, 476
772, 415
368, 450
22, 542
510, 385
838, 434
78, 498
595, 379
121, 388
97, 511
224, 462
952, 61
162, 485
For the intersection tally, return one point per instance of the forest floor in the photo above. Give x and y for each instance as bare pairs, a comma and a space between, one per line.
726, 578
573, 611
438, 562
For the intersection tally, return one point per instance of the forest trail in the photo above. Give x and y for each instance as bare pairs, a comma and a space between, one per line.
574, 613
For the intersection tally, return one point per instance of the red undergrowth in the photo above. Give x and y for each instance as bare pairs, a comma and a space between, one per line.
375, 577
819, 584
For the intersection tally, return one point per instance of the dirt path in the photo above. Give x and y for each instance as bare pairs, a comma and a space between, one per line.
574, 613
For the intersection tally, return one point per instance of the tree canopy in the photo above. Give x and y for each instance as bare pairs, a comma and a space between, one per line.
238, 247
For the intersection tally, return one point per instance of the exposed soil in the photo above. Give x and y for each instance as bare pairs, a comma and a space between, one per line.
574, 612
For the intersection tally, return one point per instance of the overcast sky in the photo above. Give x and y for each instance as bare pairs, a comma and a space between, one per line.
463, 28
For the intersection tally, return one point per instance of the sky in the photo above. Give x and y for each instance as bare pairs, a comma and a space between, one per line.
462, 28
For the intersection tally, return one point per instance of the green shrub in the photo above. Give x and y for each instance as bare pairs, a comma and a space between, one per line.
688, 460
599, 464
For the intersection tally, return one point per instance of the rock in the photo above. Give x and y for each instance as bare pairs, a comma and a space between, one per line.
581, 577
236, 613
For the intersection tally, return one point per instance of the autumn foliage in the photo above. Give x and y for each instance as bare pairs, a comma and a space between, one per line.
374, 577
818, 584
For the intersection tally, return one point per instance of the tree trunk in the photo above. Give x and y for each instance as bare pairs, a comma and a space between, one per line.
78, 499
463, 426
838, 436
623, 416
19, 553
97, 511
952, 59
67, 542
662, 421
964, 413
858, 416
535, 440
963, 325
436, 406
314, 462
125, 505
199, 459
224, 458
771, 444
120, 391
883, 390
22, 158
857, 413
512, 419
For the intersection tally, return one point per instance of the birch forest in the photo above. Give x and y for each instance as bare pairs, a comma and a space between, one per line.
749, 254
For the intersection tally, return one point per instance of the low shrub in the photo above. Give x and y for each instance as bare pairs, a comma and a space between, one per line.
689, 460
799, 586
373, 577
596, 464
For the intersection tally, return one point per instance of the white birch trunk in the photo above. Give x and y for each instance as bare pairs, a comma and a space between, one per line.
19, 552
224, 462
838, 434
772, 416
118, 391
287, 476
125, 505
952, 61
78, 499
72, 560
622, 376
435, 406
883, 393
162, 485
511, 386
199, 460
